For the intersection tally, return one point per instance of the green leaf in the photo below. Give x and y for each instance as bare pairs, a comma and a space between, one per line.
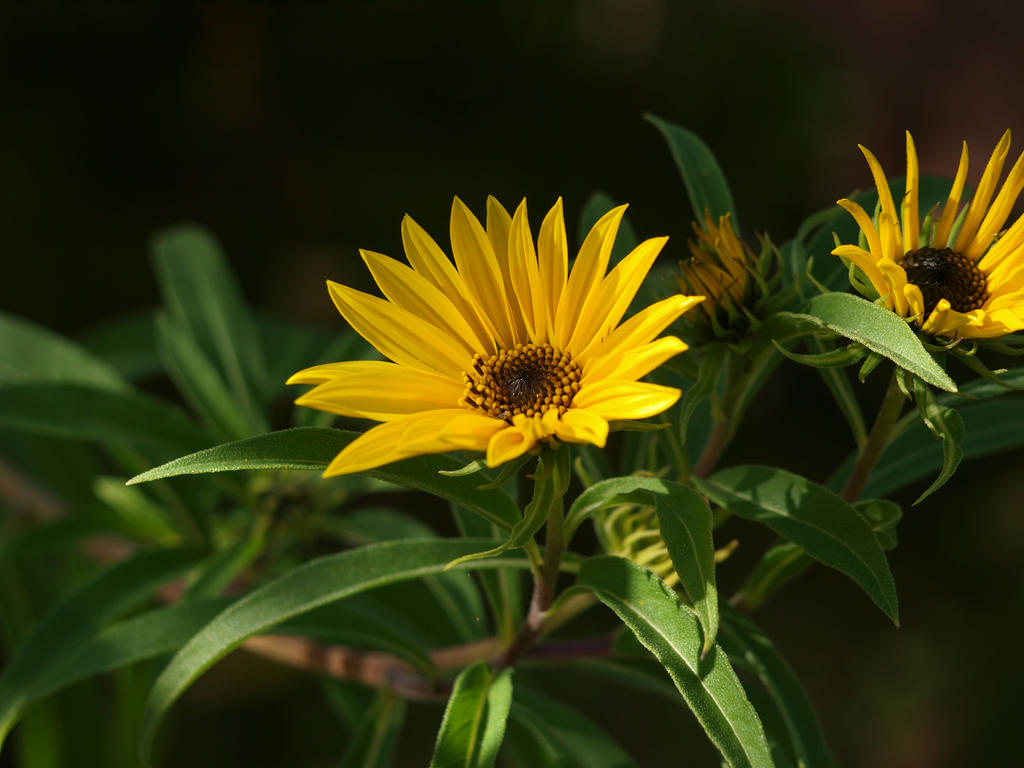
201, 293
310, 586
199, 382
456, 593
808, 514
77, 412
474, 720
777, 567
685, 522
672, 633
989, 427
59, 635
880, 330
705, 182
750, 649
883, 516
30, 353
565, 733
314, 447
135, 513
142, 637
375, 735
221, 569
597, 205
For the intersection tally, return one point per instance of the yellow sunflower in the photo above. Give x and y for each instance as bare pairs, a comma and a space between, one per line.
501, 350
961, 275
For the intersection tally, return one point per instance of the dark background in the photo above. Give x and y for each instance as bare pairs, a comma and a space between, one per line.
298, 134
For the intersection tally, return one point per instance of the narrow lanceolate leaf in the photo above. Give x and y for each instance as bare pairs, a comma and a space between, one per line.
705, 182
78, 412
201, 293
200, 383
142, 637
59, 636
30, 353
314, 447
474, 720
310, 586
572, 739
878, 329
373, 741
672, 633
685, 522
827, 527
750, 649
779, 565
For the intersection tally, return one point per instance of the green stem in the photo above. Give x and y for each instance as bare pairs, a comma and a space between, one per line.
545, 578
888, 413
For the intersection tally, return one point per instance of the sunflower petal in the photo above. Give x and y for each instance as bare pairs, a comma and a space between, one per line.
986, 187
640, 329
553, 258
636, 362
867, 226
421, 433
884, 194
620, 401
949, 210
408, 289
866, 263
427, 258
526, 283
398, 334
479, 268
909, 209
578, 425
605, 307
998, 212
383, 394
590, 266
498, 225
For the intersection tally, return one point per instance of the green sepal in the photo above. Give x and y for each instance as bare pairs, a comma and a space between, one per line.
947, 425
636, 426
840, 357
469, 469
868, 366
551, 480
971, 360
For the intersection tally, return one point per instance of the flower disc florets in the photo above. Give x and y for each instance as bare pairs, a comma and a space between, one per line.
942, 273
530, 379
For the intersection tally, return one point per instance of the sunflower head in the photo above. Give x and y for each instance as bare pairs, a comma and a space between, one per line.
956, 273
735, 280
501, 351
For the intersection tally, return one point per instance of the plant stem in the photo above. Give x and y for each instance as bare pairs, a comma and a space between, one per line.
719, 439
888, 413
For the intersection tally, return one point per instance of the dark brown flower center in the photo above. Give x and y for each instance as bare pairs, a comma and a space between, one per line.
529, 379
942, 273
